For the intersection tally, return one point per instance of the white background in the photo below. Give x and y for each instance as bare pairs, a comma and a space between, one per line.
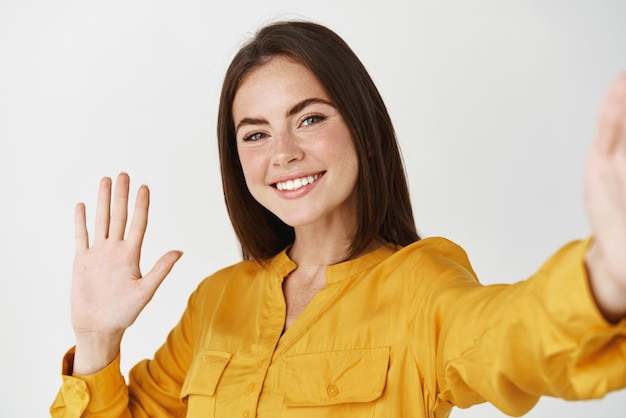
494, 102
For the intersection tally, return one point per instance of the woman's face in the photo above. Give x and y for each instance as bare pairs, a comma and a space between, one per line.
297, 154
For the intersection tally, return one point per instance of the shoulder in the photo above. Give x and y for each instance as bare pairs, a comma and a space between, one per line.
247, 275
240, 273
224, 287
435, 255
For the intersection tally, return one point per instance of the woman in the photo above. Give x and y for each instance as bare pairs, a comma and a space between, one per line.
339, 308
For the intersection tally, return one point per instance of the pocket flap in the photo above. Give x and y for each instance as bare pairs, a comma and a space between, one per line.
336, 377
204, 373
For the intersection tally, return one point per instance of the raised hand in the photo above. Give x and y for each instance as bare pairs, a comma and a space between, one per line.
606, 205
108, 289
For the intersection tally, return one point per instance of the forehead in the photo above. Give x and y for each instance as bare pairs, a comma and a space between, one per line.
279, 82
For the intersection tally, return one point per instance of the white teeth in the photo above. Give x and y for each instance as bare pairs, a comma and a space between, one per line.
297, 183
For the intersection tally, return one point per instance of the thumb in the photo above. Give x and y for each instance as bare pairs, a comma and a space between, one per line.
159, 271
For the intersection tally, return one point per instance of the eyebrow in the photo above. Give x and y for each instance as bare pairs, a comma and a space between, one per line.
294, 110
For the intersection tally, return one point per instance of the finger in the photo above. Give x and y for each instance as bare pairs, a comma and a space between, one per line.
119, 212
103, 210
81, 236
161, 269
140, 216
612, 121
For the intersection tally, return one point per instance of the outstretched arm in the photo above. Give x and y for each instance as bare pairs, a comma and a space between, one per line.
108, 289
606, 205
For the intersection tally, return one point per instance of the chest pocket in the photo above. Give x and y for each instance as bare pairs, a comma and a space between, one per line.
204, 374
336, 378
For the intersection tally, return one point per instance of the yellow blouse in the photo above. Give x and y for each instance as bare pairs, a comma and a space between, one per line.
406, 333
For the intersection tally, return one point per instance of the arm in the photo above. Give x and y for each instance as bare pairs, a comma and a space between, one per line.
511, 344
109, 290
606, 206
554, 334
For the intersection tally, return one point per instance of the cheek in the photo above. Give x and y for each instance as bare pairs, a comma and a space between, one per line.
337, 142
351, 161
252, 166
345, 150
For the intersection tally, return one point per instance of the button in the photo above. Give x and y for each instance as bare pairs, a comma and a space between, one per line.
332, 390
246, 414
251, 387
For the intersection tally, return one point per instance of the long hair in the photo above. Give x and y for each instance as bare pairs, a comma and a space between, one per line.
383, 203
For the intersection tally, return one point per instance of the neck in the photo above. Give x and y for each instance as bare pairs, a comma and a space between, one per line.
311, 251
318, 252
322, 243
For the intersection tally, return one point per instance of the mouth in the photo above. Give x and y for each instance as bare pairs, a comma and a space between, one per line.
297, 183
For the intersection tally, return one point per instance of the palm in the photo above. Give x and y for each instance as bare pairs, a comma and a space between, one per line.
105, 292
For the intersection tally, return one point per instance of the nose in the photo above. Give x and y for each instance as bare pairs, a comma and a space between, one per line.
286, 149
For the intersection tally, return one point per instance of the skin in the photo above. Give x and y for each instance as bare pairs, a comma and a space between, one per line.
109, 290
605, 200
288, 129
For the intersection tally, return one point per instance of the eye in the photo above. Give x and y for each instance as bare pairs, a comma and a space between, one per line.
312, 120
255, 136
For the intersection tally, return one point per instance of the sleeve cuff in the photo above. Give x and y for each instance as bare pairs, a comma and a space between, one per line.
98, 391
596, 343
573, 301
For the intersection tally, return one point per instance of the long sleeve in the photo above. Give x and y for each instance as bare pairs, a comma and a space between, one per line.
75, 395
154, 385
511, 344
406, 332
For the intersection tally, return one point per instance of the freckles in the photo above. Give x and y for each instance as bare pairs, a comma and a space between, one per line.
252, 164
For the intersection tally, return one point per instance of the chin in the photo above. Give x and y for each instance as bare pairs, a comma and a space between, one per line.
297, 219
296, 222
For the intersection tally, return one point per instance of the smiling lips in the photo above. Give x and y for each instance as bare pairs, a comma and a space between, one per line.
295, 184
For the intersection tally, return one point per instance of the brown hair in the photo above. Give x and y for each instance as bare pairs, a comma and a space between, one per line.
384, 206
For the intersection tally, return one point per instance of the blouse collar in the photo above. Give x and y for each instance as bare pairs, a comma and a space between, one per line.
282, 265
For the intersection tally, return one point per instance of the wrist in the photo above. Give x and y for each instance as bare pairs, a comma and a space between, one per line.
609, 294
95, 351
